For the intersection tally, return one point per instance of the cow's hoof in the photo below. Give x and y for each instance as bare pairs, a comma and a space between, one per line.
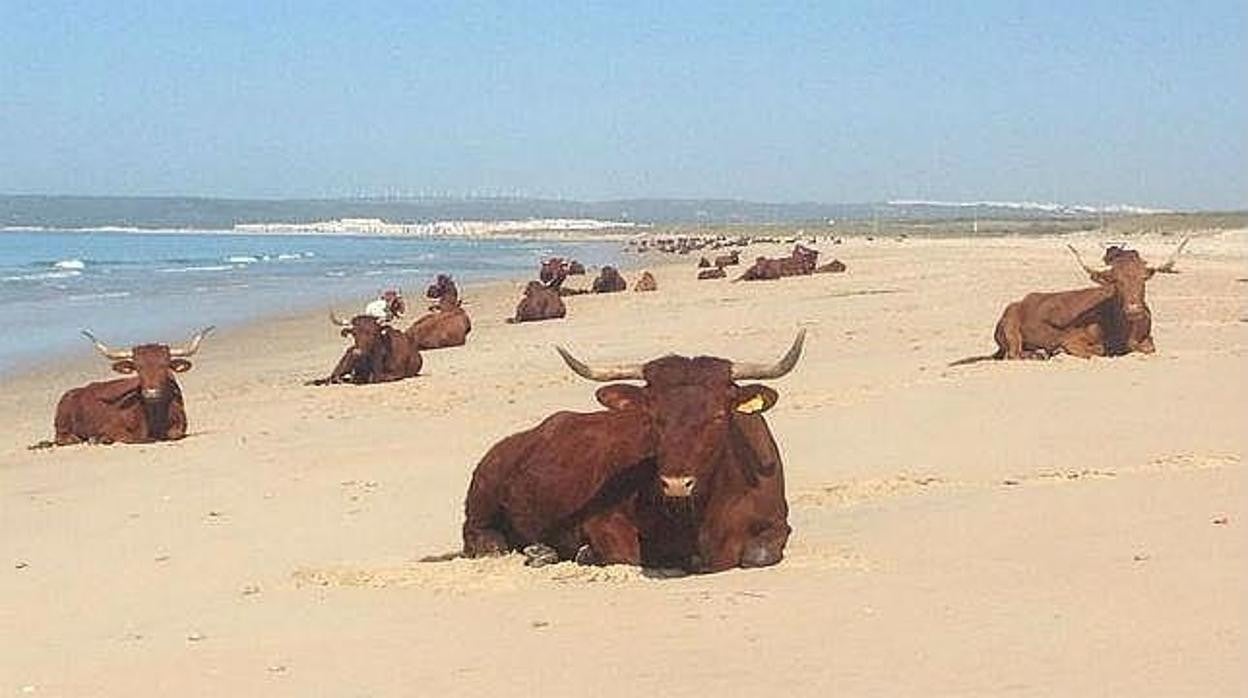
540, 555
757, 555
585, 555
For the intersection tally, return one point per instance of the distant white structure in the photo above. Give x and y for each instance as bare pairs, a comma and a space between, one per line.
1032, 206
376, 226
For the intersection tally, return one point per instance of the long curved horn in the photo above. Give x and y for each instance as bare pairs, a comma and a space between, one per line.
192, 346
1167, 267
751, 371
621, 372
109, 353
1079, 259
337, 320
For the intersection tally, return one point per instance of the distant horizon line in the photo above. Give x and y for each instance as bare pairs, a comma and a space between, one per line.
1022, 204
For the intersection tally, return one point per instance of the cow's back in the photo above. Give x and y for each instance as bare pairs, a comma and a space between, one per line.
533, 482
103, 410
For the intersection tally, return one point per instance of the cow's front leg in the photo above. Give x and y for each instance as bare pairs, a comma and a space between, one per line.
613, 539
177, 423
345, 364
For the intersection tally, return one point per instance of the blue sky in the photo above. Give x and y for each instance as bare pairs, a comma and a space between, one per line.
1082, 102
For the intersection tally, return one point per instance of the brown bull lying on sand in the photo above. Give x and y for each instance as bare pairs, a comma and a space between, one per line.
378, 353
802, 261
646, 283
540, 302
447, 323
143, 408
679, 472
609, 281
1109, 319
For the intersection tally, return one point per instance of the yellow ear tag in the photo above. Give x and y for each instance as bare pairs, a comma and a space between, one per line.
754, 404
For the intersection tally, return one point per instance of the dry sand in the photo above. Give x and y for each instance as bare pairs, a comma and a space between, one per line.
1049, 528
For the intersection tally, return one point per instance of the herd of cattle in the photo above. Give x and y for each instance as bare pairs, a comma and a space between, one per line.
681, 471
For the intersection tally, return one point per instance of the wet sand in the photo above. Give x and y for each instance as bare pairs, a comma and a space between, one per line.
1066, 527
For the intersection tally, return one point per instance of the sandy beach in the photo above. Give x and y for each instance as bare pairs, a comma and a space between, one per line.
1036, 528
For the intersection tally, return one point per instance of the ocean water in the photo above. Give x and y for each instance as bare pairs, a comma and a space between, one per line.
137, 287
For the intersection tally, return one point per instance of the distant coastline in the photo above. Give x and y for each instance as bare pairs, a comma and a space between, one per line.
565, 229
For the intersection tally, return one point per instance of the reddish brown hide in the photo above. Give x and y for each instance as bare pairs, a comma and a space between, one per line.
539, 303
447, 323
682, 471
143, 408
378, 353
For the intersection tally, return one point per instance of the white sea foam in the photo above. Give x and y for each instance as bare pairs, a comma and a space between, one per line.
242, 259
70, 264
41, 276
98, 296
208, 267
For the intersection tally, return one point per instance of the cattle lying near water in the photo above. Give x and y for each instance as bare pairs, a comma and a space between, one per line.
379, 353
143, 408
682, 471
447, 323
609, 281
540, 302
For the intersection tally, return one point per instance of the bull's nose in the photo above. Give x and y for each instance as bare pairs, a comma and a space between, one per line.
677, 486
151, 393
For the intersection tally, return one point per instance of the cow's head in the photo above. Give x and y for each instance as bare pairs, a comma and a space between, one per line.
153, 364
365, 331
693, 405
552, 269
1126, 272
442, 286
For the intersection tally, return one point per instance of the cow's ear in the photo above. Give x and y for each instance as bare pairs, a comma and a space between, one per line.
753, 399
180, 365
125, 366
346, 332
621, 396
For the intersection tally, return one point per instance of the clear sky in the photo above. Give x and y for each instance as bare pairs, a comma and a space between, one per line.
1080, 102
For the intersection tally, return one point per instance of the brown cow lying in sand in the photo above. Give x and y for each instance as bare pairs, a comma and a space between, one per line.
716, 273
609, 281
1109, 319
800, 262
646, 283
378, 353
447, 323
540, 302
146, 407
679, 472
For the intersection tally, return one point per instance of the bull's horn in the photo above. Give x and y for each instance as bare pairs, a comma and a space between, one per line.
192, 346
748, 371
337, 320
111, 354
602, 373
1079, 259
1168, 265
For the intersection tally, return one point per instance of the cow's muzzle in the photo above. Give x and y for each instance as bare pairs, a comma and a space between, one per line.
677, 487
152, 394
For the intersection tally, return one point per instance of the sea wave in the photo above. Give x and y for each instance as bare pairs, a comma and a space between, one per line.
242, 259
98, 296
42, 276
206, 267
70, 264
